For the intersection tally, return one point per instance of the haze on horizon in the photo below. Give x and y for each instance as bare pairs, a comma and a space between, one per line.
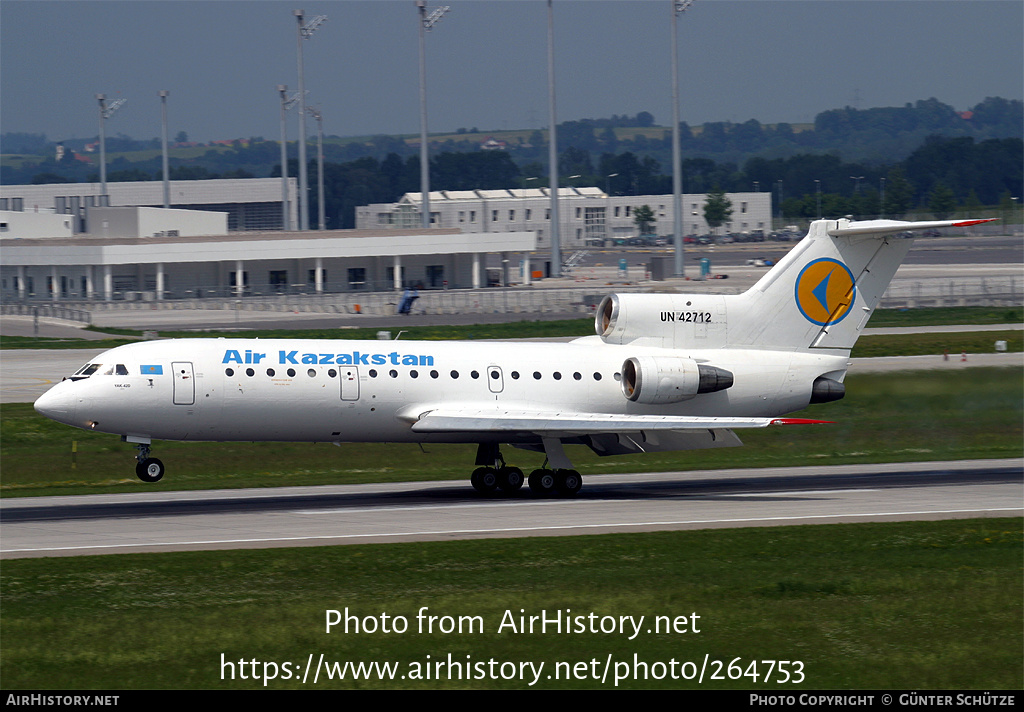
487, 62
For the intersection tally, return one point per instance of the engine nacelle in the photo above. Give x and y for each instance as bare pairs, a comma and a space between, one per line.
667, 320
666, 379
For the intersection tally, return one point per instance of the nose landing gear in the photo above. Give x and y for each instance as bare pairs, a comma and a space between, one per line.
148, 469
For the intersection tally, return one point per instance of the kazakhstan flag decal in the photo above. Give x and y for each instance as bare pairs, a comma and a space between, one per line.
825, 291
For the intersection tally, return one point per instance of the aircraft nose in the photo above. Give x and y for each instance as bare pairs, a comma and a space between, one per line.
58, 404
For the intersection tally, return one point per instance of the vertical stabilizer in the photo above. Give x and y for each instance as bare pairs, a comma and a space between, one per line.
821, 294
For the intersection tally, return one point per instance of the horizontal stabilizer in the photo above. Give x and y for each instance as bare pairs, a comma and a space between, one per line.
878, 228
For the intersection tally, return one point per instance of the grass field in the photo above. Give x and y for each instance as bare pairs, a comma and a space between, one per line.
920, 415
909, 605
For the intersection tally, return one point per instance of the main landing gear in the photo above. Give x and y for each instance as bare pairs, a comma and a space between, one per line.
543, 482
148, 469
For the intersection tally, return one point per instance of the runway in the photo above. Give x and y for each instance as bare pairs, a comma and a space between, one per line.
440, 511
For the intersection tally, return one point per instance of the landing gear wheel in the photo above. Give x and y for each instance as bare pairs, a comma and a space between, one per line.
510, 479
150, 470
484, 479
568, 482
542, 482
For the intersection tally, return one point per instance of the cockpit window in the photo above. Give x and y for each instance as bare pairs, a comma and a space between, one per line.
87, 370
116, 370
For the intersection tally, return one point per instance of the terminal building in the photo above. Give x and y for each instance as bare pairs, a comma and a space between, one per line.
225, 238
588, 217
252, 264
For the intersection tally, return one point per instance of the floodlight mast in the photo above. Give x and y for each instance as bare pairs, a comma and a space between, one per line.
556, 248
678, 7
163, 136
426, 23
305, 32
286, 103
316, 114
105, 113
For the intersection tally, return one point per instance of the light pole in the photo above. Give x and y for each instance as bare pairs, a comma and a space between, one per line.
163, 135
286, 103
781, 220
556, 248
426, 22
305, 32
315, 113
882, 204
105, 113
678, 7
817, 191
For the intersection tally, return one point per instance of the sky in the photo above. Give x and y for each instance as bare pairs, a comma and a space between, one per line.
221, 60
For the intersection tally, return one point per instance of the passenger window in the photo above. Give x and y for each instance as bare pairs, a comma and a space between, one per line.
270, 372
311, 373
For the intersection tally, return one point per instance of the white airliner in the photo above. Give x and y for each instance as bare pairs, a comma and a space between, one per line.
663, 372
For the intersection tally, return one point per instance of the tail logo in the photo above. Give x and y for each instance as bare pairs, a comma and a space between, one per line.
825, 291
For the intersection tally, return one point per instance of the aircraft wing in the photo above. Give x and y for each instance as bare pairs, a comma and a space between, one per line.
578, 423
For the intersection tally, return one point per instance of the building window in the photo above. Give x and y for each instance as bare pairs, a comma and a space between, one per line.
511, 215
472, 216
743, 207
356, 277
529, 214
462, 216
628, 208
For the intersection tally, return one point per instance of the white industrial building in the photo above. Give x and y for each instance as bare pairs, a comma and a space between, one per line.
587, 216
251, 204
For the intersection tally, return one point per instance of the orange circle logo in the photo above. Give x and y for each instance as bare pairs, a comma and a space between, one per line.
825, 291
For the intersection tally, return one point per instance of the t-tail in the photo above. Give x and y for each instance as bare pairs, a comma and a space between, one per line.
818, 297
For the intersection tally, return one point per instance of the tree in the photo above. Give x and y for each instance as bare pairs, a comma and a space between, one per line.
717, 208
941, 202
643, 216
898, 193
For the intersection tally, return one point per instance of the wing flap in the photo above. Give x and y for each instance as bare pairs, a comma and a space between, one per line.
577, 423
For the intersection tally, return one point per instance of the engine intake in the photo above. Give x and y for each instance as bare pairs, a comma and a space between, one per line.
656, 379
